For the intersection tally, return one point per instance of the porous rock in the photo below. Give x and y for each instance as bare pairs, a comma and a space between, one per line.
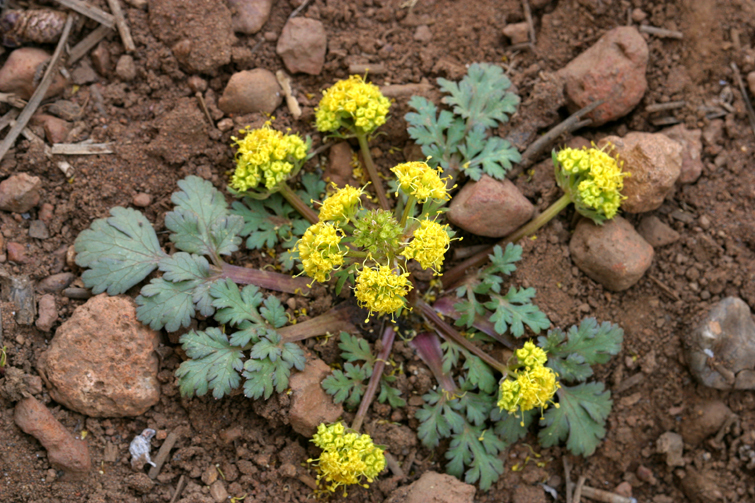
102, 361
433, 487
653, 162
17, 76
19, 193
657, 233
490, 208
251, 91
703, 420
339, 169
302, 45
48, 312
613, 254
249, 16
310, 405
614, 70
63, 451
692, 146
720, 351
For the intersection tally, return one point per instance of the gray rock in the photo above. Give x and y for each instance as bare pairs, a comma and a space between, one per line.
251, 91
721, 350
613, 254
656, 233
302, 45
19, 193
672, 445
38, 230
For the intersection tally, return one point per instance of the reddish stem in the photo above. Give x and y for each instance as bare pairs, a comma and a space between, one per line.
388, 337
265, 279
334, 320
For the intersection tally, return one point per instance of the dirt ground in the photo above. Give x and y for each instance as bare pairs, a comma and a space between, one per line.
651, 385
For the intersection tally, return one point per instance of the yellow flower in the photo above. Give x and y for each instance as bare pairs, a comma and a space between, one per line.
320, 252
381, 290
346, 457
429, 245
340, 206
531, 356
265, 155
529, 388
593, 179
352, 102
421, 181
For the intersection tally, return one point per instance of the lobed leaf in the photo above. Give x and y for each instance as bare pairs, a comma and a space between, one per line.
347, 385
437, 419
478, 449
356, 349
235, 306
164, 304
512, 427
215, 364
514, 310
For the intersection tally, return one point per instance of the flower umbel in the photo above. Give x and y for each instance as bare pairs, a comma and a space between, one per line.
429, 245
381, 290
346, 457
529, 387
320, 252
352, 102
265, 155
531, 356
341, 205
421, 181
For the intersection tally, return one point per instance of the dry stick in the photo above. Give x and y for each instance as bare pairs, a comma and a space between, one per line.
372, 171
120, 22
666, 289
89, 11
663, 107
87, 43
9, 118
745, 97
81, 148
162, 454
203, 106
285, 82
661, 32
389, 335
336, 319
578, 490
528, 18
39, 93
567, 478
605, 496
299, 9
179, 489
265, 279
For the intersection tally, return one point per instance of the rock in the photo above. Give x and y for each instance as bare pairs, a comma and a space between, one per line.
310, 405
218, 491
433, 487
17, 253
17, 385
48, 313
199, 32
38, 230
518, 33
101, 59
713, 134
701, 487
197, 84
302, 45
18, 72
613, 69
56, 130
654, 162
63, 451
624, 489
656, 233
19, 193
56, 282
84, 74
339, 169
80, 366
704, 420
251, 91
638, 15
721, 349
423, 34
672, 445
182, 133
249, 16
125, 69
46, 212
613, 254
692, 146
142, 200
490, 208
140, 482
528, 494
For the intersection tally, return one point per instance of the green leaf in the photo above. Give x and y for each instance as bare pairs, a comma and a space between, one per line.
166, 304
120, 251
510, 428
264, 376
487, 155
355, 349
467, 310
580, 418
185, 267
347, 385
478, 449
451, 353
514, 310
214, 364
503, 262
475, 406
479, 374
235, 306
391, 394
268, 221
437, 419
293, 355
274, 312
267, 348
313, 188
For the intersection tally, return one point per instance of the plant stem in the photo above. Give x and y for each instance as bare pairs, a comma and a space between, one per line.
408, 210
335, 320
450, 333
372, 172
455, 274
265, 279
389, 335
299, 205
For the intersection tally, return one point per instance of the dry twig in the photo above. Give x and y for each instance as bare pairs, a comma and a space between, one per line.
81, 148
666, 289
299, 9
87, 43
567, 478
162, 454
605, 496
530, 24
661, 32
662, 107
179, 489
120, 22
89, 11
745, 97
578, 489
285, 82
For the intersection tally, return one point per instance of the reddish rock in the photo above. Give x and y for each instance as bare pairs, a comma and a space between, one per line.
249, 16
251, 91
613, 69
490, 208
302, 45
125, 69
703, 486
17, 74
433, 487
518, 33
656, 233
692, 146
19, 193
17, 253
613, 254
339, 169
704, 420
528, 494
56, 282
48, 313
423, 34
102, 361
63, 451
56, 130
654, 163
142, 200
310, 405
46, 212
101, 59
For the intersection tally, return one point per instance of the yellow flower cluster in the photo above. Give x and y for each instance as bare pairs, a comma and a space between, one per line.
346, 457
421, 181
341, 205
267, 155
352, 101
381, 290
533, 386
320, 252
599, 178
429, 245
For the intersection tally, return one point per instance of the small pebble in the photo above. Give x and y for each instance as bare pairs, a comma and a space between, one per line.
218, 491
302, 45
251, 91
125, 69
38, 230
19, 193
18, 72
423, 34
250, 16
48, 313
142, 200
518, 33
197, 84
17, 253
